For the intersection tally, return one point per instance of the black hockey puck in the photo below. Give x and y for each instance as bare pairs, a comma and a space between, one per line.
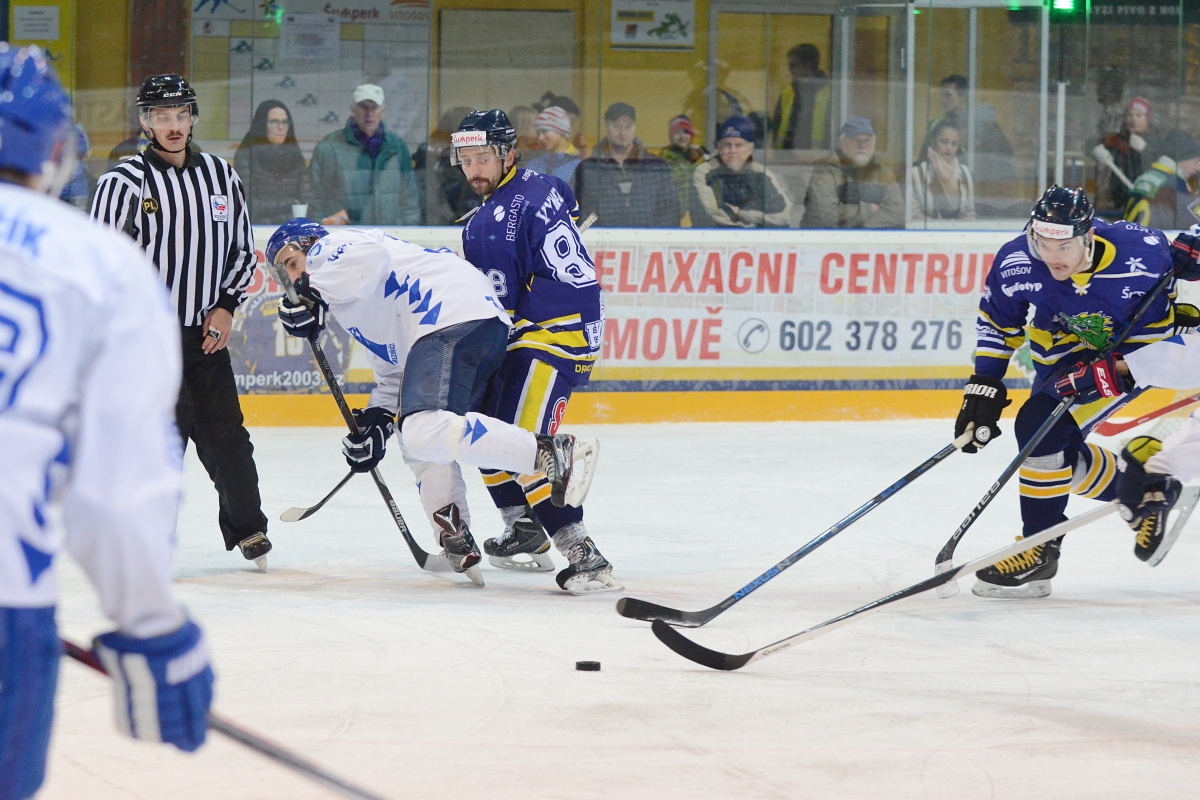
587, 666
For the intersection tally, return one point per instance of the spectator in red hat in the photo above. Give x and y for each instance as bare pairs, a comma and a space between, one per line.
557, 157
682, 155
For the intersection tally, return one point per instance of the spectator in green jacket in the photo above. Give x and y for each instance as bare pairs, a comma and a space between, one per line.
363, 173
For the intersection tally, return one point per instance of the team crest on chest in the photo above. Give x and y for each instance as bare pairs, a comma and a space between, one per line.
1093, 328
220, 207
150, 205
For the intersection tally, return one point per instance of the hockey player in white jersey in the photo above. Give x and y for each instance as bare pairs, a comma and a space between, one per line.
434, 334
82, 322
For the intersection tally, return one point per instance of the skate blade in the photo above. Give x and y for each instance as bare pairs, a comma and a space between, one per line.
600, 584
1184, 506
475, 575
261, 563
1027, 591
538, 562
583, 468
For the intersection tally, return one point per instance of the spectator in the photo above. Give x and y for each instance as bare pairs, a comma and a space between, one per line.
558, 157
1160, 197
941, 184
851, 189
735, 191
572, 108
993, 155
271, 166
730, 102
363, 173
1127, 147
801, 118
623, 183
448, 195
522, 118
682, 156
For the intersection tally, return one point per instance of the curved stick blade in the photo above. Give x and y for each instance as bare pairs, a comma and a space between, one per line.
633, 608
703, 656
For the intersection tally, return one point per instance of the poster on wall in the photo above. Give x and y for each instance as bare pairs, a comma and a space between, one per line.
654, 24
310, 37
50, 24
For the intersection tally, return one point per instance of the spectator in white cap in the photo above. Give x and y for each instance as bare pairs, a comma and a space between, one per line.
557, 156
850, 188
735, 191
363, 173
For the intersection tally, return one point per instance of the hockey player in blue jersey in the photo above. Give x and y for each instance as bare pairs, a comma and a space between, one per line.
1084, 278
82, 320
525, 240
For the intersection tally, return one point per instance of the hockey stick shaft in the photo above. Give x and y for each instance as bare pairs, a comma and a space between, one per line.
714, 659
253, 741
1111, 428
639, 609
947, 552
295, 514
419, 554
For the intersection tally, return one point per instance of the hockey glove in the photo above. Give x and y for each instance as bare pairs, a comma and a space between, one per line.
364, 450
163, 686
305, 319
984, 399
1187, 316
1088, 381
1185, 257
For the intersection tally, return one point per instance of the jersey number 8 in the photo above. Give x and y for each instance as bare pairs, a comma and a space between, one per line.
564, 253
22, 340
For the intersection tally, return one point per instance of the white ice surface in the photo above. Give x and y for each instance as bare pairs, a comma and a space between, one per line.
420, 686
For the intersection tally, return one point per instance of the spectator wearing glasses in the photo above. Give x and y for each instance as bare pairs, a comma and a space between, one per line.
851, 189
271, 166
363, 173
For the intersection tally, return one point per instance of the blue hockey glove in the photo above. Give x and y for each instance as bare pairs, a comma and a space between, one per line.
1185, 257
305, 319
163, 685
364, 451
984, 398
1093, 380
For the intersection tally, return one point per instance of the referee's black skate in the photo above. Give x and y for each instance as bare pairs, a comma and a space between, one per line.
1026, 575
255, 548
461, 550
589, 572
568, 464
522, 536
1149, 519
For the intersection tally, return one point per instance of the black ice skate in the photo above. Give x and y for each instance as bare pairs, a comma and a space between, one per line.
1025, 575
524, 537
460, 549
589, 571
568, 463
255, 548
1149, 519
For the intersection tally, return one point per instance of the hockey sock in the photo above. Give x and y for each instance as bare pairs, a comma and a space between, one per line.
503, 488
1095, 475
472, 438
1045, 485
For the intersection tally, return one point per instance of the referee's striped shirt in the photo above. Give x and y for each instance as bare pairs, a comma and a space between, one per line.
193, 222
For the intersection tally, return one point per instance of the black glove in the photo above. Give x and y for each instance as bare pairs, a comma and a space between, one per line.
305, 319
1092, 380
984, 399
364, 450
1185, 257
1187, 316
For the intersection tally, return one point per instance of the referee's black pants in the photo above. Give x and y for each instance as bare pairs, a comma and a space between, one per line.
210, 415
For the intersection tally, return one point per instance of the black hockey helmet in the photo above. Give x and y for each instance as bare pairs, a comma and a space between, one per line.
483, 129
167, 91
1062, 213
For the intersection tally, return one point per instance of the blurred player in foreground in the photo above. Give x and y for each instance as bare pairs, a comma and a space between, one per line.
523, 238
82, 320
434, 335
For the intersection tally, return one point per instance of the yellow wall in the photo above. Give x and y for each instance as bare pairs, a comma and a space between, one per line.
101, 71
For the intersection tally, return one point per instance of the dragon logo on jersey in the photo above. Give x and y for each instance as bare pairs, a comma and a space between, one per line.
1093, 328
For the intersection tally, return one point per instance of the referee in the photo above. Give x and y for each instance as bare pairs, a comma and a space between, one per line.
188, 210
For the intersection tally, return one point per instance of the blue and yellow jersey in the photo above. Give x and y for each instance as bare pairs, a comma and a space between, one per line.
1095, 304
524, 239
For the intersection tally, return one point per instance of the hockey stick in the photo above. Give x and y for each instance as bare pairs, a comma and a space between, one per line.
714, 659
253, 741
946, 554
425, 561
1103, 156
640, 609
295, 513
1110, 428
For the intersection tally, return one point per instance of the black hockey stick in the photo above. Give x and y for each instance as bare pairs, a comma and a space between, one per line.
253, 741
640, 609
295, 513
715, 659
425, 561
946, 554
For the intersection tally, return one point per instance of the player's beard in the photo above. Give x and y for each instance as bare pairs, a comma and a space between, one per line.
484, 186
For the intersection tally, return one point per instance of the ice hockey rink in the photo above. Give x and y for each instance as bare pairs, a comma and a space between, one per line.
417, 685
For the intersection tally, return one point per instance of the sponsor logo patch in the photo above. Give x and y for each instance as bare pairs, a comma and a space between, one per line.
468, 138
219, 204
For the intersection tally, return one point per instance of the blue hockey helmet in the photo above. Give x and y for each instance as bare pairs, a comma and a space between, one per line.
301, 231
36, 133
1062, 213
484, 129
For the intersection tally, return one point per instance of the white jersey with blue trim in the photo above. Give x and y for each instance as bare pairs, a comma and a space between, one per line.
388, 293
89, 378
